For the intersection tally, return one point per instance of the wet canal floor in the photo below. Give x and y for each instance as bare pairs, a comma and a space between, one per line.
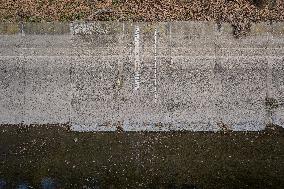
141, 160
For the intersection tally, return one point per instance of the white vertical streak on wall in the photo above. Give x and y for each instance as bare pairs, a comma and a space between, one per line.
170, 28
22, 29
120, 63
155, 66
137, 58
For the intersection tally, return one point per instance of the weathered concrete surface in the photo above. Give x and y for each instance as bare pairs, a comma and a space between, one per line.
105, 76
47, 90
94, 97
276, 66
242, 92
12, 81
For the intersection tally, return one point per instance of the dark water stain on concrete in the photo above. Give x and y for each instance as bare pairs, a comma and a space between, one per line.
141, 160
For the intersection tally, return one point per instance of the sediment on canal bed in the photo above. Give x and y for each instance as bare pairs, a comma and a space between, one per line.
141, 159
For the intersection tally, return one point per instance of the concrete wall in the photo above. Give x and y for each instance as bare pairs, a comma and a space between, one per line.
142, 76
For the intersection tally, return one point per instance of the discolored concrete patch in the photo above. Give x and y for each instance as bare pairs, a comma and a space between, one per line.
46, 99
12, 89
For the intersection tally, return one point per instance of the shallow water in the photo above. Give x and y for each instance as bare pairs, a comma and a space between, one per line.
141, 160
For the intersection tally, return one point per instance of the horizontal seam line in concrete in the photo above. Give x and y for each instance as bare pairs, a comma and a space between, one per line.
27, 48
111, 56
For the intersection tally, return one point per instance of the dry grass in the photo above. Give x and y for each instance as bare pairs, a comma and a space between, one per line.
238, 12
44, 10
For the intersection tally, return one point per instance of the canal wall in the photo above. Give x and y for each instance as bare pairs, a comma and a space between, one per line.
108, 76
